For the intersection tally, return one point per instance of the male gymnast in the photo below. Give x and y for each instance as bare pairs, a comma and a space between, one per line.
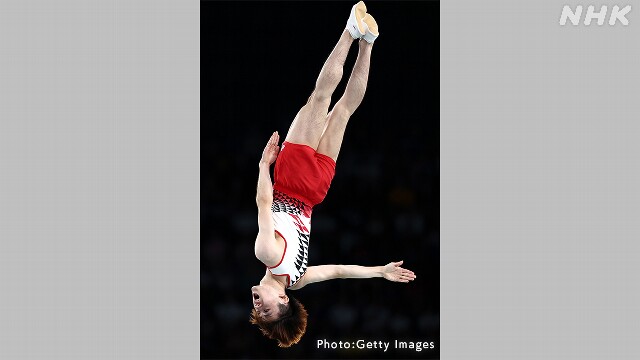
304, 168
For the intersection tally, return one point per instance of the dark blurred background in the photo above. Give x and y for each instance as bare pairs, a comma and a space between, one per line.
259, 62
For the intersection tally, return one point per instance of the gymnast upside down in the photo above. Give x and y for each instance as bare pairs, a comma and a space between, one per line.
303, 172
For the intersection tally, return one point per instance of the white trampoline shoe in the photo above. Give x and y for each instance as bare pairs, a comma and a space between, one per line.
371, 33
355, 26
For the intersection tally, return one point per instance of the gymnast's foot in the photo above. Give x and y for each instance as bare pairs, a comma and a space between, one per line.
355, 26
371, 34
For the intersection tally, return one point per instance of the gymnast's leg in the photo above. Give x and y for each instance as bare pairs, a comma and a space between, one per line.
331, 139
308, 125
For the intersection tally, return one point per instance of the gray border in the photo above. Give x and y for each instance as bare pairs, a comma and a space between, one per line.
540, 236
99, 179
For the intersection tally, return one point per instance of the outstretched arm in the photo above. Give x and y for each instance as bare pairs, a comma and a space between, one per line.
265, 248
392, 272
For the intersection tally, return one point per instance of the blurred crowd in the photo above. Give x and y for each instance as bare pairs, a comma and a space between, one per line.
380, 208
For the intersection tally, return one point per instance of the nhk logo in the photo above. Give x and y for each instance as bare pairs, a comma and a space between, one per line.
616, 14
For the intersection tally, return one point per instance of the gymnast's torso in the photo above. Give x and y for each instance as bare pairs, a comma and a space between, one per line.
292, 222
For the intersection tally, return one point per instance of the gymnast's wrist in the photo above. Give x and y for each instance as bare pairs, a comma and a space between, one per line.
263, 163
379, 271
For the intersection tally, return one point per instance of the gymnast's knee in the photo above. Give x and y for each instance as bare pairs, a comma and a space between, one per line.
319, 97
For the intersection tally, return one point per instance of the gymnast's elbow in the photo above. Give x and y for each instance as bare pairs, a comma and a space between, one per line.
340, 272
264, 202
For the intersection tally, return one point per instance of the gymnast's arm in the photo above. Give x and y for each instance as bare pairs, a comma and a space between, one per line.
392, 272
265, 247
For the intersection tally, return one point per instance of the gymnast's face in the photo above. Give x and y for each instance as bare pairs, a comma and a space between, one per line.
266, 301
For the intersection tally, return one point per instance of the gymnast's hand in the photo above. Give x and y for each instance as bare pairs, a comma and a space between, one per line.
270, 152
393, 272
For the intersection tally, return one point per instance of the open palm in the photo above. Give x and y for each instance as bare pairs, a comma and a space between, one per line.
393, 272
270, 152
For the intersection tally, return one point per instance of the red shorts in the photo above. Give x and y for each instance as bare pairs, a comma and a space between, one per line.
302, 173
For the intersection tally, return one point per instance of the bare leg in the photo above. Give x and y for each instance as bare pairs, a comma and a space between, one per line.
310, 121
333, 133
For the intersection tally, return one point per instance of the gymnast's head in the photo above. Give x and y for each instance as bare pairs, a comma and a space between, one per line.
279, 317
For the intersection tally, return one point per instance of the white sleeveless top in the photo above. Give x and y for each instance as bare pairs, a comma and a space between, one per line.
292, 221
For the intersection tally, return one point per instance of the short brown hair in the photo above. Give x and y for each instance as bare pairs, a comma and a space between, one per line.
289, 328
